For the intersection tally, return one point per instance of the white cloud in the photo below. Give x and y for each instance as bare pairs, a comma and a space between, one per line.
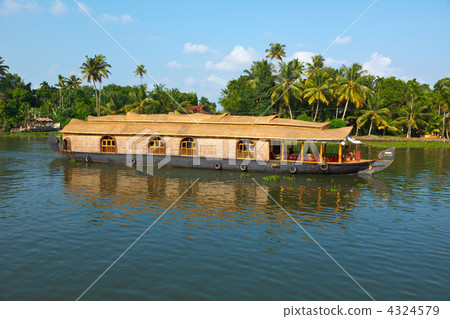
379, 65
306, 57
303, 56
174, 65
124, 18
345, 40
58, 8
217, 80
196, 48
333, 62
236, 60
16, 6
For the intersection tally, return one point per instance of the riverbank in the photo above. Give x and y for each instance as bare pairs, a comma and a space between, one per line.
395, 141
29, 134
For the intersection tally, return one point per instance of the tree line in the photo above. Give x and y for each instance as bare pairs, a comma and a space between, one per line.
312, 92
68, 98
344, 96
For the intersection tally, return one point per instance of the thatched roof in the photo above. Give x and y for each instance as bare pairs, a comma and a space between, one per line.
206, 125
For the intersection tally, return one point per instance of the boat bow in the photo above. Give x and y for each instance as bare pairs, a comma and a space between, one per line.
386, 158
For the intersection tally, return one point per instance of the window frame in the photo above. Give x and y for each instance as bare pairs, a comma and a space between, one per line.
112, 148
157, 150
244, 152
188, 151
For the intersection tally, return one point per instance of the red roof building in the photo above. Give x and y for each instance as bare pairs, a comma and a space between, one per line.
196, 109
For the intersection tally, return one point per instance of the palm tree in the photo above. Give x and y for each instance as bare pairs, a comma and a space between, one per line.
140, 70
94, 69
140, 99
62, 81
103, 72
259, 71
289, 88
414, 89
317, 63
3, 67
442, 87
73, 82
373, 114
319, 88
350, 87
90, 71
411, 116
389, 125
276, 51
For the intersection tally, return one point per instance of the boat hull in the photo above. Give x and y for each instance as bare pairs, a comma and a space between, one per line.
158, 161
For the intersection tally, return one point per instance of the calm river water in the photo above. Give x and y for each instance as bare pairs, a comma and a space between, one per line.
63, 224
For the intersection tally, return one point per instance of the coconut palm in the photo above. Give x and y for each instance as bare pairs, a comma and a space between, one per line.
140, 70
94, 69
317, 63
318, 89
350, 87
412, 115
141, 100
289, 88
374, 114
62, 81
391, 126
276, 51
90, 71
3, 67
259, 72
73, 82
103, 72
442, 88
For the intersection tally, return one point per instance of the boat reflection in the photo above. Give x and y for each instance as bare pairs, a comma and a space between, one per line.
115, 193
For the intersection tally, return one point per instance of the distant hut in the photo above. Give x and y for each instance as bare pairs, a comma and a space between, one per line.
35, 124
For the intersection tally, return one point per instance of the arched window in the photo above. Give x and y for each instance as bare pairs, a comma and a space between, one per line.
245, 149
108, 144
188, 146
66, 145
156, 146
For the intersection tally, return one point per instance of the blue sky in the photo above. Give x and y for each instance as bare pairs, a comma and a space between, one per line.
199, 46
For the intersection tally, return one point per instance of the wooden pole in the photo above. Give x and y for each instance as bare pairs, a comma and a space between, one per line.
340, 153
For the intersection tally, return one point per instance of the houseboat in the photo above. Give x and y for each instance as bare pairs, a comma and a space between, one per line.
245, 143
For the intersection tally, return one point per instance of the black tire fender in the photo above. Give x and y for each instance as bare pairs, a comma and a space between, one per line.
243, 167
293, 169
218, 166
324, 166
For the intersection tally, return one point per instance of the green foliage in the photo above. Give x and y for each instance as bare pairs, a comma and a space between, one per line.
304, 117
337, 123
273, 178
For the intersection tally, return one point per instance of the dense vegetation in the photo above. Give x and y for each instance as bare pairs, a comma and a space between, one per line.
311, 92
68, 98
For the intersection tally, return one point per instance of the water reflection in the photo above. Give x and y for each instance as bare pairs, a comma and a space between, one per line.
115, 193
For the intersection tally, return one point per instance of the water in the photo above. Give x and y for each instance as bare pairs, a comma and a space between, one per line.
63, 224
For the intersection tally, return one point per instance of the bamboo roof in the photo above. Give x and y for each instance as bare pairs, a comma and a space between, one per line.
206, 125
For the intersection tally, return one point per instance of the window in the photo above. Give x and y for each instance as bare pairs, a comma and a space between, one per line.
188, 146
66, 145
108, 144
156, 146
245, 149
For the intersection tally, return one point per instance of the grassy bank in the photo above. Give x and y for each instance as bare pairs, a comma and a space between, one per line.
29, 134
416, 144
